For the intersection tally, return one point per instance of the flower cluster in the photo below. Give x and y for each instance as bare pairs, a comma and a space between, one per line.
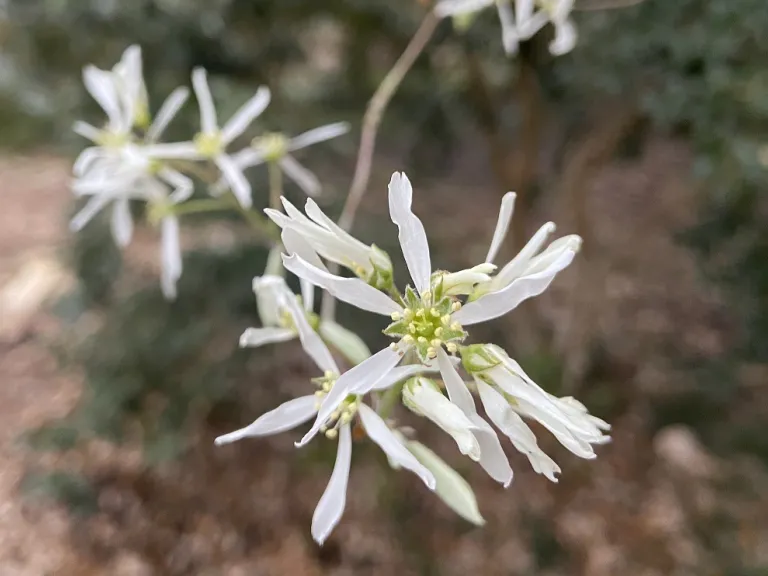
429, 328
520, 23
128, 162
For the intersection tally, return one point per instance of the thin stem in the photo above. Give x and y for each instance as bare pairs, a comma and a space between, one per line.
275, 185
200, 206
389, 400
371, 121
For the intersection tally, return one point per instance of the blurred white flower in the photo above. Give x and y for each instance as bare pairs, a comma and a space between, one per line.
212, 141
461, 8
126, 175
533, 15
276, 148
295, 412
507, 393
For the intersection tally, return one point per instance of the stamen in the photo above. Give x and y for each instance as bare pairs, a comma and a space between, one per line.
439, 331
408, 339
436, 343
395, 316
331, 434
445, 320
422, 340
452, 347
455, 326
435, 312
456, 306
431, 352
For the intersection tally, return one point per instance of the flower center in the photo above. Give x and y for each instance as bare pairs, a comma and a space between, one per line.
427, 325
209, 144
343, 414
273, 144
110, 139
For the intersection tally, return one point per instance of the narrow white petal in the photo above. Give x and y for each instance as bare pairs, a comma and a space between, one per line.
379, 432
100, 85
284, 417
86, 214
413, 238
565, 38
183, 187
361, 251
523, 10
509, 35
253, 337
515, 267
403, 373
122, 222
170, 256
86, 131
564, 435
350, 290
331, 505
248, 157
303, 178
296, 244
310, 340
502, 225
167, 112
208, 121
316, 135
345, 341
245, 115
497, 304
457, 389
360, 379
451, 487
238, 183
527, 28
458, 7
174, 151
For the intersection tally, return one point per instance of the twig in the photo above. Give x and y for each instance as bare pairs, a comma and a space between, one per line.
371, 121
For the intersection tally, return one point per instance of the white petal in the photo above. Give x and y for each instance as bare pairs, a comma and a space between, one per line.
527, 28
360, 379
253, 337
362, 253
310, 340
497, 304
350, 290
523, 10
171, 256
248, 157
303, 178
331, 505
208, 121
457, 7
379, 432
175, 151
86, 214
122, 222
451, 487
284, 417
182, 185
457, 390
86, 131
245, 115
413, 238
509, 35
167, 112
316, 135
296, 244
403, 373
238, 183
515, 267
502, 225
100, 85
565, 38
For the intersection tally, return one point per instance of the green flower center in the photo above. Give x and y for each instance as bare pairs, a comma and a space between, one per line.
209, 145
427, 325
343, 414
273, 144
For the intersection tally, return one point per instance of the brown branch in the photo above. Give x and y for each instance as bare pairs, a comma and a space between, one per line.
371, 121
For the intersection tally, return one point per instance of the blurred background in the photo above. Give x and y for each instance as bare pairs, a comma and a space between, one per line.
649, 140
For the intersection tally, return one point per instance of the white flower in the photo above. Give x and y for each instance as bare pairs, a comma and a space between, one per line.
299, 410
423, 321
128, 174
509, 32
276, 148
530, 21
528, 274
323, 236
507, 393
212, 141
